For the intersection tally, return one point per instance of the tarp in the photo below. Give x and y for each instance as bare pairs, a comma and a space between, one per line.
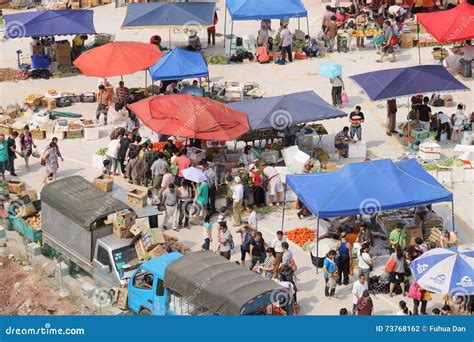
169, 14
457, 23
117, 59
283, 111
179, 64
217, 284
265, 9
80, 201
367, 188
49, 23
393, 83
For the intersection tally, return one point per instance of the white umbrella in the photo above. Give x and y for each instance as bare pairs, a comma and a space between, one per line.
194, 175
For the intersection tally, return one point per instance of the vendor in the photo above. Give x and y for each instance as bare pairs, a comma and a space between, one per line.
156, 40
247, 157
172, 88
342, 140
194, 43
453, 62
356, 119
78, 45
361, 23
443, 124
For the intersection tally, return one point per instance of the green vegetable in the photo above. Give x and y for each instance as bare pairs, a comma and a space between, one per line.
217, 59
102, 152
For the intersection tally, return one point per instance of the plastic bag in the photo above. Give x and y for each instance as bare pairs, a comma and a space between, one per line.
36, 153
344, 97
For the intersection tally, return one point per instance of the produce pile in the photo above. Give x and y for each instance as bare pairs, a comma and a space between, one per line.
217, 59
101, 152
451, 163
321, 155
88, 122
172, 243
259, 135
34, 221
10, 74
75, 126
301, 236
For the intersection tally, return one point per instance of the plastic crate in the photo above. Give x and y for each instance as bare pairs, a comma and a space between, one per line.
270, 157
23, 228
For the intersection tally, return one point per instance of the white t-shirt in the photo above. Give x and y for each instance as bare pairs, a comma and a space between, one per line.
237, 192
276, 244
468, 52
224, 236
443, 118
358, 289
336, 81
253, 219
363, 261
112, 149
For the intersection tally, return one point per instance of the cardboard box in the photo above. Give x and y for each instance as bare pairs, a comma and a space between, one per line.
141, 251
406, 40
137, 197
85, 3
104, 183
49, 103
121, 232
32, 194
16, 187
26, 210
38, 134
75, 134
36, 49
412, 234
126, 218
94, 3
75, 5
357, 150
121, 298
157, 251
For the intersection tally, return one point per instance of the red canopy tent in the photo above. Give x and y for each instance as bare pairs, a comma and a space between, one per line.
449, 26
191, 116
118, 58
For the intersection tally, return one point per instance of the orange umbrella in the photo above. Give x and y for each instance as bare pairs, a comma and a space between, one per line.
118, 58
191, 116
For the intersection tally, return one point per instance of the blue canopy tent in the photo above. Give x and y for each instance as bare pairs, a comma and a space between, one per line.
49, 23
393, 83
291, 109
179, 64
169, 15
368, 188
264, 9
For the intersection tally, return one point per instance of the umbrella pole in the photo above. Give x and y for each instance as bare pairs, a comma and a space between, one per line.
146, 81
452, 214
284, 205
232, 37
418, 34
317, 245
307, 24
299, 24
225, 21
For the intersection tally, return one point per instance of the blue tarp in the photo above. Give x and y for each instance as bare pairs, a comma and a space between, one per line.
392, 83
367, 188
265, 9
179, 64
169, 14
49, 23
286, 110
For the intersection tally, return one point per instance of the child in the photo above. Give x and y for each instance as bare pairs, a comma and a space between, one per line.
106, 170
207, 233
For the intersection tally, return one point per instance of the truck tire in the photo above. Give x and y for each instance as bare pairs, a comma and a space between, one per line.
144, 312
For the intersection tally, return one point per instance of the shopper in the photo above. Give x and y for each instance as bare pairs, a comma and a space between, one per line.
50, 161
212, 180
389, 41
225, 241
330, 34
285, 45
3, 155
183, 162
365, 261
125, 142
330, 274
170, 200
458, 119
257, 250
397, 237
12, 152
103, 102
266, 268
153, 200
123, 95
112, 155
275, 187
207, 233
256, 188
403, 309
344, 259
419, 296
356, 119
211, 31
398, 274
357, 290
157, 170
391, 116
184, 204
237, 199
220, 161
27, 145
245, 232
253, 217
277, 245
365, 305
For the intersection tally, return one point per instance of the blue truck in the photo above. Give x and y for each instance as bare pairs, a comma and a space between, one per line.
202, 283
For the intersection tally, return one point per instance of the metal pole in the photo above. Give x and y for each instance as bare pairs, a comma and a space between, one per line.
146, 81
232, 36
307, 24
418, 34
317, 246
225, 21
299, 24
284, 205
452, 214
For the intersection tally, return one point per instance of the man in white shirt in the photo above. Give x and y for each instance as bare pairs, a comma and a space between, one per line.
237, 198
253, 218
277, 246
357, 290
467, 52
443, 125
285, 45
224, 237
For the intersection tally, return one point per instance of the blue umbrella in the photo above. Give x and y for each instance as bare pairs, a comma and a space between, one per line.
446, 270
330, 69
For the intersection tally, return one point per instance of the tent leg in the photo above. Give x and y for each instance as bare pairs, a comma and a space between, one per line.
299, 28
225, 21
146, 81
231, 36
284, 205
452, 214
418, 35
317, 245
307, 24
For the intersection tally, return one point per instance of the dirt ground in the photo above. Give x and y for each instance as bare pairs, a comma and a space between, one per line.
24, 292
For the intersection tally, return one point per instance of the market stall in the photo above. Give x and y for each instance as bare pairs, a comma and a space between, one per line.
179, 64
169, 15
368, 188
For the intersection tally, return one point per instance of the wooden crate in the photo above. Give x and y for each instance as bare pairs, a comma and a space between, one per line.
125, 218
104, 183
76, 134
137, 197
16, 187
38, 134
121, 232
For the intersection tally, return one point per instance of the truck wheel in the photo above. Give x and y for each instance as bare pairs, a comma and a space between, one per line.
145, 312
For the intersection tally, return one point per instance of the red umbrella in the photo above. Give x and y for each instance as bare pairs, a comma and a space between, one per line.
118, 58
191, 116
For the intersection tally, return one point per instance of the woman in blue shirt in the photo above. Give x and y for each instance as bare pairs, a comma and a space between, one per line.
330, 274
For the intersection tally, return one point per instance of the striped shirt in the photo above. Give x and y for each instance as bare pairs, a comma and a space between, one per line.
270, 172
